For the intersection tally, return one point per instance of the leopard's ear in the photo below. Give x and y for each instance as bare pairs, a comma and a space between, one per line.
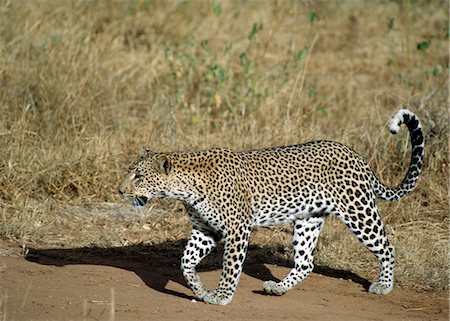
145, 151
162, 164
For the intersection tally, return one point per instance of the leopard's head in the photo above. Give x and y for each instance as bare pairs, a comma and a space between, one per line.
148, 178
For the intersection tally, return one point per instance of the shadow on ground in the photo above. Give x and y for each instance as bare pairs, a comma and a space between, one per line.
158, 264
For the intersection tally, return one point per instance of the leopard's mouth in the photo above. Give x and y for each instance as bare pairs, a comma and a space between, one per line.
139, 201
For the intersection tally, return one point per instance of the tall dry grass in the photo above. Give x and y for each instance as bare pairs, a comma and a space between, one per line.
85, 84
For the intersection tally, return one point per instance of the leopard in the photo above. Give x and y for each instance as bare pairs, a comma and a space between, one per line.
229, 193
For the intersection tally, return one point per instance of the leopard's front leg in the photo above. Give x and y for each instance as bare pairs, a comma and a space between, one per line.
199, 245
236, 244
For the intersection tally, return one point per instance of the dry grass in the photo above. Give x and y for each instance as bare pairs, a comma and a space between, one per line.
85, 84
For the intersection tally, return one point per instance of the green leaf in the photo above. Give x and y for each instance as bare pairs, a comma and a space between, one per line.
217, 72
312, 17
168, 54
437, 70
300, 55
228, 49
424, 45
245, 62
252, 33
204, 43
321, 110
217, 8
391, 24
243, 57
57, 38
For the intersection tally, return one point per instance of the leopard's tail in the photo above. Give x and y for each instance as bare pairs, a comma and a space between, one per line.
384, 192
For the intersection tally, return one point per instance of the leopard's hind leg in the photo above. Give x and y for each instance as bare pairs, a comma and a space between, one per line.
364, 221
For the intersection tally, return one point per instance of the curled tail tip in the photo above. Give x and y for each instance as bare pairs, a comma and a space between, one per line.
398, 119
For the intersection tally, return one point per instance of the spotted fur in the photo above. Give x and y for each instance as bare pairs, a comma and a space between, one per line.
228, 193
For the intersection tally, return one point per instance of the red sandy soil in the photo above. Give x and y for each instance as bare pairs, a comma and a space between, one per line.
145, 283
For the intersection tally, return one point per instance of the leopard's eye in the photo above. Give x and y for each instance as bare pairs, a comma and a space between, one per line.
138, 176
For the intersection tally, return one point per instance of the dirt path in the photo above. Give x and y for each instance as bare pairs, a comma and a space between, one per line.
145, 284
